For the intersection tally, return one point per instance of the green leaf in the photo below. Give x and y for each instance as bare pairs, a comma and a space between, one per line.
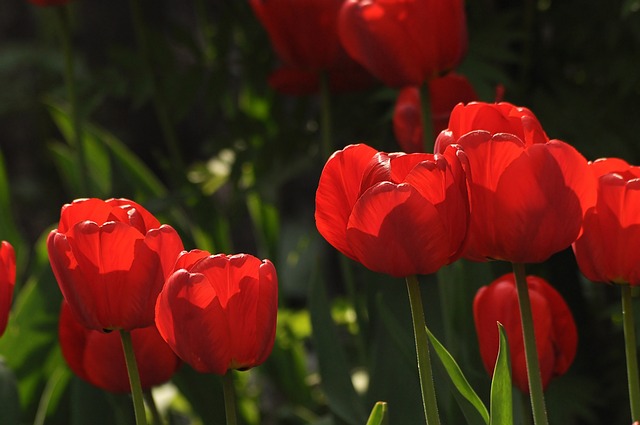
9, 400
501, 398
378, 414
332, 360
8, 228
474, 412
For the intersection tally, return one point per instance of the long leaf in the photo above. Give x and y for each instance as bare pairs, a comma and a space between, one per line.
9, 399
501, 398
476, 408
378, 414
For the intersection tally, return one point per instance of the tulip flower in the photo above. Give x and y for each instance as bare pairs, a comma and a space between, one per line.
304, 35
404, 42
7, 282
218, 312
399, 214
555, 330
612, 226
444, 94
528, 194
49, 2
98, 357
110, 259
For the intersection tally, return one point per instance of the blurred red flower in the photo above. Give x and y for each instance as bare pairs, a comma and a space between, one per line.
7, 282
111, 259
98, 357
555, 330
528, 194
606, 251
218, 312
404, 42
304, 35
399, 214
444, 94
49, 2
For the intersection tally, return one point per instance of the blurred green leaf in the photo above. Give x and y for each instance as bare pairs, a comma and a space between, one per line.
378, 414
476, 412
9, 400
501, 398
8, 228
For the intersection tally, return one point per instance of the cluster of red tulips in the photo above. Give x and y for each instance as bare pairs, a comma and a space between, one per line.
495, 188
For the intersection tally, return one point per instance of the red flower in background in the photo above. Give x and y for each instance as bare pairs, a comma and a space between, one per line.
444, 94
111, 259
404, 42
218, 312
528, 194
49, 2
399, 214
608, 248
98, 357
304, 35
7, 282
555, 330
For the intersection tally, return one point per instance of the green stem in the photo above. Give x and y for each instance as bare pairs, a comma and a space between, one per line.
631, 352
229, 398
134, 378
162, 111
156, 419
325, 116
530, 349
69, 77
427, 124
425, 373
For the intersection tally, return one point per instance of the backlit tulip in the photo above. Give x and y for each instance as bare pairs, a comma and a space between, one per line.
555, 331
609, 248
98, 357
404, 42
218, 312
7, 282
528, 194
111, 259
304, 35
399, 214
444, 94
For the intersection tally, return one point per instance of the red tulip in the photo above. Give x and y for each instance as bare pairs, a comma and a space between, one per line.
555, 331
98, 357
111, 259
304, 35
218, 312
444, 94
7, 282
528, 194
404, 42
606, 249
399, 214
49, 2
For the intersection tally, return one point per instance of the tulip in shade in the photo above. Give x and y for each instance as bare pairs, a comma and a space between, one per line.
399, 214
218, 312
528, 194
404, 42
98, 357
555, 331
608, 249
444, 94
111, 259
7, 282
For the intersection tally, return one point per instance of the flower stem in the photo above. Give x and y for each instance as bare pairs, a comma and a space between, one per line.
425, 373
325, 116
69, 77
134, 378
530, 349
631, 352
229, 398
427, 124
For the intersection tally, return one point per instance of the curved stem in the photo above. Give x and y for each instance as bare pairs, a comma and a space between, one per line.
69, 77
134, 378
631, 352
425, 373
325, 116
530, 349
427, 124
229, 398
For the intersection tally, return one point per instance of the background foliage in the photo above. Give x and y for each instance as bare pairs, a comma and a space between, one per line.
251, 161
